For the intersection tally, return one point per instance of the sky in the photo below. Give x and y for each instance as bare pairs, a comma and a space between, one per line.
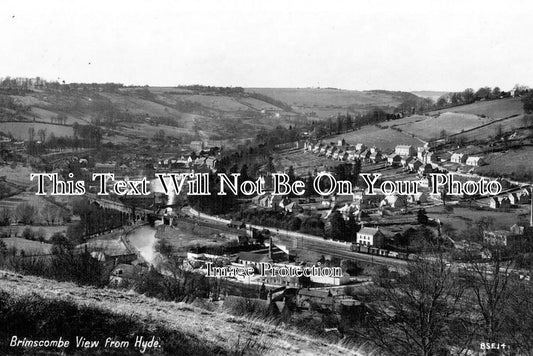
393, 45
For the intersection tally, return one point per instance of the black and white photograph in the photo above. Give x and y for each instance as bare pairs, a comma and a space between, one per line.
253, 177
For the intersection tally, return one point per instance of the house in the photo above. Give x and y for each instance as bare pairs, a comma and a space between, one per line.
344, 157
273, 201
418, 198
331, 150
415, 165
503, 238
293, 207
394, 201
524, 196
360, 147
474, 161
124, 275
505, 203
406, 160
421, 153
306, 298
370, 237
376, 157
196, 146
494, 203
394, 160
425, 169
405, 150
458, 158
210, 162
513, 198
365, 154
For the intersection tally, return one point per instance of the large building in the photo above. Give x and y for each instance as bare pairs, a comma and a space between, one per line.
370, 237
405, 150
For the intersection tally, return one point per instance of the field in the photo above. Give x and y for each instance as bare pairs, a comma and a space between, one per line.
384, 139
403, 121
463, 220
327, 102
19, 130
451, 123
18, 175
493, 108
516, 160
303, 162
42, 206
28, 246
16, 230
489, 131
187, 235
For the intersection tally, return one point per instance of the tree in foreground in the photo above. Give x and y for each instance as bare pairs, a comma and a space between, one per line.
420, 312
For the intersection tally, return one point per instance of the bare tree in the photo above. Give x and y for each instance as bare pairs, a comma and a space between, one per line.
31, 133
489, 282
42, 135
25, 213
419, 313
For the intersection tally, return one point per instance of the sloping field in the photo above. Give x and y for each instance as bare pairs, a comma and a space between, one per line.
28, 246
136, 105
258, 104
19, 130
452, 123
403, 121
489, 131
215, 328
148, 131
310, 97
493, 108
217, 102
385, 139
516, 160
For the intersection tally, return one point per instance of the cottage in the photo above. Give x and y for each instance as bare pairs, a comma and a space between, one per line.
365, 154
494, 203
406, 160
375, 157
505, 238
425, 169
394, 160
394, 201
418, 198
415, 165
458, 158
474, 161
124, 275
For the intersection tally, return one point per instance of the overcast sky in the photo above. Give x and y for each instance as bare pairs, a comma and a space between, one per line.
394, 45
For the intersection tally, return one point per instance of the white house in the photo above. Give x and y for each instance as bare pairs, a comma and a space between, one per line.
405, 150
474, 161
458, 158
370, 237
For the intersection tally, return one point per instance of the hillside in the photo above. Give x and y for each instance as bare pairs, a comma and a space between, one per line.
478, 120
432, 94
327, 102
213, 330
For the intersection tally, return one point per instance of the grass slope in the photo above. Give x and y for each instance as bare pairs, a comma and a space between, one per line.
208, 332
